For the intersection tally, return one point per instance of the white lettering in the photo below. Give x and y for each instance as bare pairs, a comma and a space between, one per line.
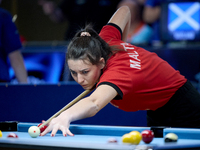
135, 64
127, 46
134, 55
185, 35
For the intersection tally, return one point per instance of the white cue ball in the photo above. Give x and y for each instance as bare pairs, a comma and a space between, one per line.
34, 131
171, 137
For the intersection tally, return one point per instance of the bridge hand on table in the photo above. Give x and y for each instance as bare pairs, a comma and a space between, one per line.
56, 124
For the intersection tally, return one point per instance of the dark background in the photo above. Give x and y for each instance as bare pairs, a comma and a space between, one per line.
32, 23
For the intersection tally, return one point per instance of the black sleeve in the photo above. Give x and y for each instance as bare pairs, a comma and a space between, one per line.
120, 94
116, 26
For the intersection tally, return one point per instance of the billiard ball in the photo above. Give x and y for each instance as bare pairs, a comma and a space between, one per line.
112, 140
1, 134
134, 137
126, 138
34, 131
12, 135
171, 137
147, 136
43, 128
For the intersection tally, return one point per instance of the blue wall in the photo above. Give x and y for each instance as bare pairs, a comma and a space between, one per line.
34, 103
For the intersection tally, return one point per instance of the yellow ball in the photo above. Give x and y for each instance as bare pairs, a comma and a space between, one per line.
133, 137
126, 138
136, 137
1, 134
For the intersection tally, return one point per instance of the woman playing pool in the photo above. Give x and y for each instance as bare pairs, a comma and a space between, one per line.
126, 76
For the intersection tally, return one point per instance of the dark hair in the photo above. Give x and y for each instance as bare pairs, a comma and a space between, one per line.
92, 47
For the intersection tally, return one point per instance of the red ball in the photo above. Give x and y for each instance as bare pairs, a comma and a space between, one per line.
12, 135
112, 140
43, 128
147, 136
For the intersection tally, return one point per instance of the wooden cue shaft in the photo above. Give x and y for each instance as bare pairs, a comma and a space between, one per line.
83, 94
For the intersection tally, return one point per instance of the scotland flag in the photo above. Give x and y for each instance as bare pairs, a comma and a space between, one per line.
184, 17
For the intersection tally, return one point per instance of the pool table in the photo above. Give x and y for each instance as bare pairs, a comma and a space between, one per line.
96, 137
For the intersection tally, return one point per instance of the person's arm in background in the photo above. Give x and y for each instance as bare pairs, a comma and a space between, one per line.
151, 11
11, 46
17, 63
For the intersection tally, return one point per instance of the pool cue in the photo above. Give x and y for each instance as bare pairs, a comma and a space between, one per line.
83, 94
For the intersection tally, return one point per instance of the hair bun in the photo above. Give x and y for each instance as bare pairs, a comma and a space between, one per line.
85, 34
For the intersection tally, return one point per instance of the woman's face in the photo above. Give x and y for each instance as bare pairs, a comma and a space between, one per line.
85, 73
